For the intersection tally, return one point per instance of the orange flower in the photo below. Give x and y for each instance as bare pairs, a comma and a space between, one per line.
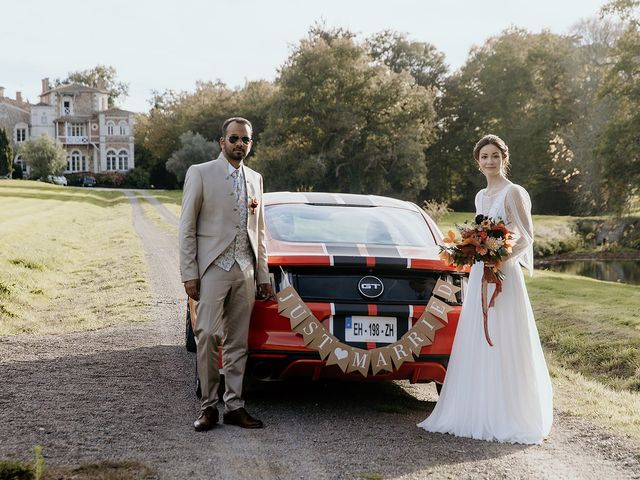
446, 257
482, 250
450, 238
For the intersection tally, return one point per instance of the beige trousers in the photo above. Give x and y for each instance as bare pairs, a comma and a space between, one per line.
222, 319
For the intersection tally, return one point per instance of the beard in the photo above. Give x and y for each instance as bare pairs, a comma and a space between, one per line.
236, 154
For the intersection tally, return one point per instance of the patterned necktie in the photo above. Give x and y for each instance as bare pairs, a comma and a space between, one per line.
237, 186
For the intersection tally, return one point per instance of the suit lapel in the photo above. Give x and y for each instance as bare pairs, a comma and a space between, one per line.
251, 187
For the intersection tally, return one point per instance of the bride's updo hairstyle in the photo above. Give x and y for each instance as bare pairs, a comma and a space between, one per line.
499, 143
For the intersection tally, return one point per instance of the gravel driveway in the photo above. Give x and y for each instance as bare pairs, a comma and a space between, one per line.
127, 393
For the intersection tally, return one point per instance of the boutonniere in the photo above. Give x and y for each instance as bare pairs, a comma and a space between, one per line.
253, 204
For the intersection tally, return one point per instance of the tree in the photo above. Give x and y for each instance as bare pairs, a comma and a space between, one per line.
45, 156
202, 111
340, 123
517, 85
620, 142
422, 60
194, 149
574, 149
102, 77
6, 155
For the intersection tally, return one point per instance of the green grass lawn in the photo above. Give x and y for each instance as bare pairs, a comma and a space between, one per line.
152, 213
591, 334
172, 199
70, 259
590, 326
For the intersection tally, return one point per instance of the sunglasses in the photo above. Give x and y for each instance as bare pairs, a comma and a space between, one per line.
234, 138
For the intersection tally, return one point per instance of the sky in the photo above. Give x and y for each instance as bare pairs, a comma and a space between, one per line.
170, 44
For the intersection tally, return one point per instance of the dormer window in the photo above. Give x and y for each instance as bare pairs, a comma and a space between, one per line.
21, 135
67, 108
21, 131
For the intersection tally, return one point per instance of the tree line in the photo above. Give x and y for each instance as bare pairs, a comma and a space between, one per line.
385, 115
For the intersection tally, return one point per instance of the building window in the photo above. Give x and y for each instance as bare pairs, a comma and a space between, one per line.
66, 106
123, 160
43, 119
123, 128
110, 127
111, 160
84, 163
21, 135
73, 161
75, 130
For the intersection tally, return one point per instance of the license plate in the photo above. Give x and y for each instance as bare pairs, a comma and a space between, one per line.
371, 329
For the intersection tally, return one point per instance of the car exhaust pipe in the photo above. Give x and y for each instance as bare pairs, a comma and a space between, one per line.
262, 371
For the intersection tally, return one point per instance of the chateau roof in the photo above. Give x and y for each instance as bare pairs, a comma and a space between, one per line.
74, 88
116, 110
24, 106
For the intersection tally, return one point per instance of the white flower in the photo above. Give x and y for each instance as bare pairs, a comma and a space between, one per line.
493, 244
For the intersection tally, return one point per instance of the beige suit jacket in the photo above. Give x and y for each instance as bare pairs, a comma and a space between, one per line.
210, 218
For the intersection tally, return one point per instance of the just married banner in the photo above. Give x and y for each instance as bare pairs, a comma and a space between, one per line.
350, 359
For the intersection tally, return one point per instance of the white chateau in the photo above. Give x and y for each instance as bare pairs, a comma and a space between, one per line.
96, 138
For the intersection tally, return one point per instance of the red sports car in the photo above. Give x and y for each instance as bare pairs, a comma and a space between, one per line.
366, 267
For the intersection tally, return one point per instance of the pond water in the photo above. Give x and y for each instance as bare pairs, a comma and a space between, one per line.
625, 271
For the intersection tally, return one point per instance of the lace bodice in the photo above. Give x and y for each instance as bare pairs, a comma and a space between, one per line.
513, 205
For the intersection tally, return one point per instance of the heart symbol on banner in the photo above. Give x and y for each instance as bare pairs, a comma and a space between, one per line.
340, 353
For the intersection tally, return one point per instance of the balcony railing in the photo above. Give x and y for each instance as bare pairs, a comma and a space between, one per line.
80, 140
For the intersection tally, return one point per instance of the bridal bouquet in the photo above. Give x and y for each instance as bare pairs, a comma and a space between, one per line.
485, 240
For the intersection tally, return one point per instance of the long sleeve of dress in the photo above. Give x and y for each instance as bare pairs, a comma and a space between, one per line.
518, 209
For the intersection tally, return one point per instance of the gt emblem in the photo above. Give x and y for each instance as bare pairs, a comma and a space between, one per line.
370, 287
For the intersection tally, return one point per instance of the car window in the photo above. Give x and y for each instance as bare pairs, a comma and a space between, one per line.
347, 224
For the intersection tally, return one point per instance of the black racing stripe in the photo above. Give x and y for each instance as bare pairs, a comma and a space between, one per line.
351, 309
391, 262
339, 261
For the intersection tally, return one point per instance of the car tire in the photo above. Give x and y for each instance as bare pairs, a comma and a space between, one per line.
189, 337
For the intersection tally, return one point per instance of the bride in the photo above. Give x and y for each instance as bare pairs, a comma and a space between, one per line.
501, 392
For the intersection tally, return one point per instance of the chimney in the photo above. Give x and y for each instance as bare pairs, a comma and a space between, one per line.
1, 92
45, 85
19, 97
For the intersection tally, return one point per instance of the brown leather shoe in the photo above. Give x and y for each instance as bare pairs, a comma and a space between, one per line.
207, 419
241, 418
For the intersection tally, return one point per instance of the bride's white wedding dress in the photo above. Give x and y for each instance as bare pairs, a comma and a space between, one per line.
501, 393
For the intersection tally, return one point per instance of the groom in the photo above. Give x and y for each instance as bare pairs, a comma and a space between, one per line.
222, 252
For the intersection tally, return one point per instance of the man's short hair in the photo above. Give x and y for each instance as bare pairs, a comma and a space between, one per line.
235, 119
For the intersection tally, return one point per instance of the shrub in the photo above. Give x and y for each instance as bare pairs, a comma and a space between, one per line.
74, 179
12, 470
436, 210
622, 231
110, 179
137, 178
17, 171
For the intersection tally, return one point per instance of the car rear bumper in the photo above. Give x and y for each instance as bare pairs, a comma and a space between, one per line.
276, 352
283, 365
